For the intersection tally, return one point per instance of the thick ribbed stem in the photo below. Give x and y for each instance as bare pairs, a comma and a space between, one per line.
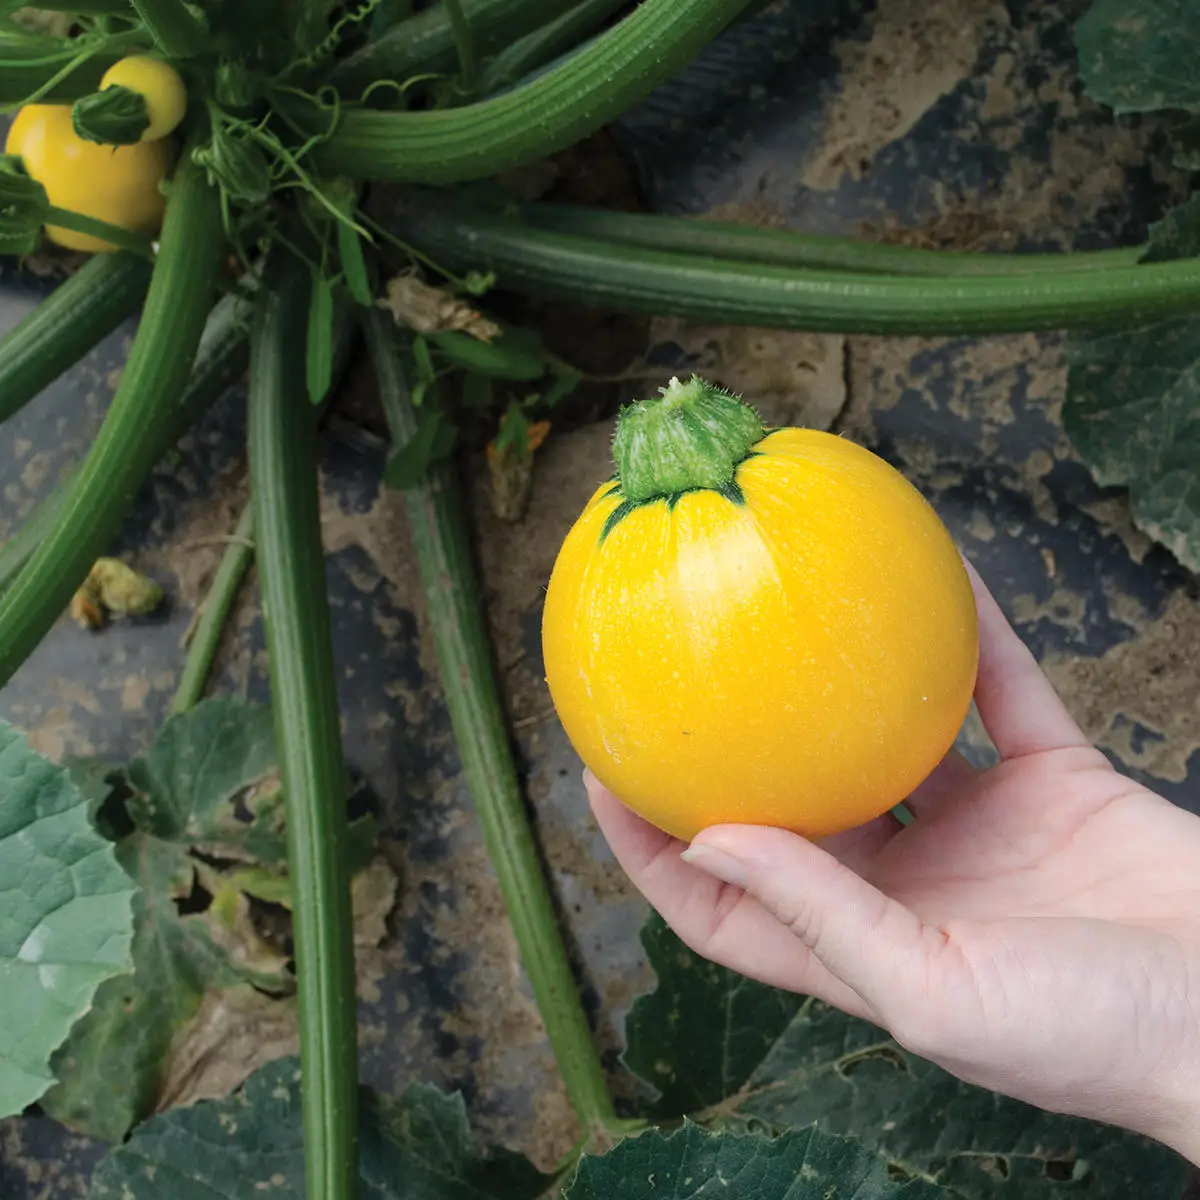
460, 637
691, 435
291, 564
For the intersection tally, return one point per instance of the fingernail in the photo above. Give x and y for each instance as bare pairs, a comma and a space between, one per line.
717, 863
588, 777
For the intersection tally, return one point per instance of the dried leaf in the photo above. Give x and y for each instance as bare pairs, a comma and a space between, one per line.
113, 587
427, 309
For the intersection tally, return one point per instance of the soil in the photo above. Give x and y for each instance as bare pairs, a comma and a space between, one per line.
1139, 699
932, 47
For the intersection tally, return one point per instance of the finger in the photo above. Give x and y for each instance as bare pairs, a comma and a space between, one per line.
719, 922
875, 946
943, 786
1020, 709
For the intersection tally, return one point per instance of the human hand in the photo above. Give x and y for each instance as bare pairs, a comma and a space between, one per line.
1035, 930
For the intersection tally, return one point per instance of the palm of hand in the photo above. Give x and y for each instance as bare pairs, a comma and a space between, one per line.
1061, 890
1036, 929
1055, 834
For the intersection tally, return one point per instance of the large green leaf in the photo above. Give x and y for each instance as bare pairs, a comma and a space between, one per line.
669, 1032
208, 781
1133, 406
211, 781
1140, 55
693, 1164
111, 1068
65, 916
850, 1078
250, 1145
1133, 413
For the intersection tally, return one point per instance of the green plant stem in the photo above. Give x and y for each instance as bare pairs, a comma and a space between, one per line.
222, 357
464, 44
129, 441
176, 31
460, 638
206, 639
425, 42
787, 248
76, 316
543, 45
597, 273
28, 63
283, 475
123, 239
536, 119
235, 562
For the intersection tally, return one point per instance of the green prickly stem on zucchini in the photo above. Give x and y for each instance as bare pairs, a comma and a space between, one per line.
66, 325
101, 294
116, 116
691, 435
127, 446
283, 478
597, 272
550, 112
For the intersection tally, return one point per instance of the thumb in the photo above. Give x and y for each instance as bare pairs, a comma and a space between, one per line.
872, 943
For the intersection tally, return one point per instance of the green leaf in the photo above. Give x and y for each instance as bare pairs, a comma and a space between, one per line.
235, 162
567, 379
112, 1066
1133, 413
24, 208
516, 355
354, 265
1177, 235
691, 1162
668, 1033
250, 1145
848, 1077
116, 116
1140, 55
319, 340
65, 916
234, 85
513, 434
1132, 408
421, 356
433, 440
211, 782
